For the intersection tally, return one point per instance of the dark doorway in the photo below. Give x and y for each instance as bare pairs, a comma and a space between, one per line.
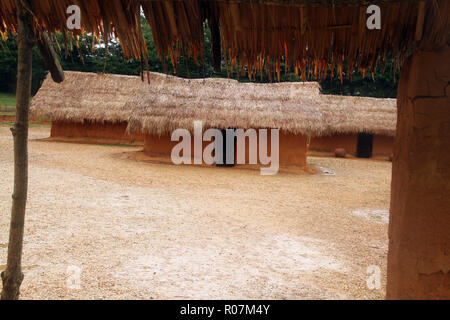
365, 143
227, 139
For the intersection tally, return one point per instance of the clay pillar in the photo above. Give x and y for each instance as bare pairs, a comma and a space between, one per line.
419, 227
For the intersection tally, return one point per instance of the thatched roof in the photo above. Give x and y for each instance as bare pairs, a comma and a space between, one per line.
86, 96
170, 102
310, 35
346, 114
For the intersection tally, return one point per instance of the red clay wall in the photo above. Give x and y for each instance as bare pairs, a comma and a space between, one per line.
330, 143
292, 148
382, 145
419, 227
93, 131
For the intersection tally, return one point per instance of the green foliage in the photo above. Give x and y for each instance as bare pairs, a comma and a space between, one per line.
8, 67
7, 99
93, 57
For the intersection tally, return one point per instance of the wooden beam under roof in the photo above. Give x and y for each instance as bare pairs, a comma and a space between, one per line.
50, 57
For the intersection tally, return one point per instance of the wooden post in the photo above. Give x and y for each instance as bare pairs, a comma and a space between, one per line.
12, 277
420, 20
216, 45
419, 226
50, 58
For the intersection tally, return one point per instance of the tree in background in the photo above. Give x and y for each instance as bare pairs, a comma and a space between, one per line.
8, 67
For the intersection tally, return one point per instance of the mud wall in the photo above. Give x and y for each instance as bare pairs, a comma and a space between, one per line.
330, 143
93, 130
382, 145
419, 228
292, 150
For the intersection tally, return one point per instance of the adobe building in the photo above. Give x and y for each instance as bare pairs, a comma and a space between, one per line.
88, 107
364, 127
171, 103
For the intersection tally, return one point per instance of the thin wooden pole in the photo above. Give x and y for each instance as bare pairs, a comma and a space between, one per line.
216, 45
51, 61
12, 277
419, 23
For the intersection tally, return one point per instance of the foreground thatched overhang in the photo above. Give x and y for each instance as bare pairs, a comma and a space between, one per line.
310, 35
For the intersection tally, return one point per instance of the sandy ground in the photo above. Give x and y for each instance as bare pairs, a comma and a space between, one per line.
136, 230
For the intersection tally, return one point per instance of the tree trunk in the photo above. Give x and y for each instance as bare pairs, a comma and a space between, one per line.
12, 277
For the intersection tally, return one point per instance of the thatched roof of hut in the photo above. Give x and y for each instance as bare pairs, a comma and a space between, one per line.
86, 96
310, 35
347, 114
295, 107
170, 102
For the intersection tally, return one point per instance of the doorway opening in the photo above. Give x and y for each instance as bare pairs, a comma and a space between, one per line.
365, 144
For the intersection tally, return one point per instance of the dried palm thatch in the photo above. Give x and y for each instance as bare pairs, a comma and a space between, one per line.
109, 18
345, 114
177, 27
86, 96
171, 102
312, 36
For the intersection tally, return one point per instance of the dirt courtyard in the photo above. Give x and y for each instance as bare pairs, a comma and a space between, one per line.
136, 230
